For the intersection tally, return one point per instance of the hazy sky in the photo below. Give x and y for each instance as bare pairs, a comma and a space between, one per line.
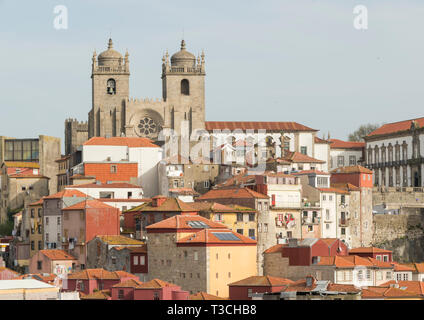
298, 60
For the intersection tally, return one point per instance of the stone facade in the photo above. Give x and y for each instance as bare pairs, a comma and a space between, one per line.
114, 113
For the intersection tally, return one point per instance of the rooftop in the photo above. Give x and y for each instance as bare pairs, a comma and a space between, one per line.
240, 193
56, 254
131, 142
256, 125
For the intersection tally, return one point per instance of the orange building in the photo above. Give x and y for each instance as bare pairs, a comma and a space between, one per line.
112, 171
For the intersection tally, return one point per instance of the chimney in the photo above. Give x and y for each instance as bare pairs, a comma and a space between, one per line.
158, 200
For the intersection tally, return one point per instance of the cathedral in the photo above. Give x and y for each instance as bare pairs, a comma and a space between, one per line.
115, 114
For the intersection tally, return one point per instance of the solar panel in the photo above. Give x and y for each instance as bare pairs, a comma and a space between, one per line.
226, 236
198, 224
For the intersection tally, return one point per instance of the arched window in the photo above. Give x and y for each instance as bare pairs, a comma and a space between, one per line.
111, 86
185, 87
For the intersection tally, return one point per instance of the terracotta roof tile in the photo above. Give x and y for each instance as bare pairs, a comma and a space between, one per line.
368, 250
402, 267
396, 127
340, 144
239, 193
132, 142
181, 222
297, 157
208, 237
96, 295
131, 283
56, 254
333, 190
345, 186
155, 284
89, 204
262, 281
103, 185
256, 125
204, 296
352, 169
100, 274
66, 193
310, 172
319, 140
118, 240
416, 287
275, 248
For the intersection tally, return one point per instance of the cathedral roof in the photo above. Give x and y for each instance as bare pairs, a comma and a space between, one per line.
109, 55
183, 57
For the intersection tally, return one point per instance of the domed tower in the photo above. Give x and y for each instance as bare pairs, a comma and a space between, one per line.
183, 88
110, 88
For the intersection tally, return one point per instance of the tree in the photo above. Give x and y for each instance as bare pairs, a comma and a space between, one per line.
363, 131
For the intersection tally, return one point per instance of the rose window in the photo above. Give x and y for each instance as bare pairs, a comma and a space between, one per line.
147, 126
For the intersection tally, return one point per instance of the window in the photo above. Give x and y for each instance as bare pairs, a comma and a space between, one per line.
251, 217
39, 229
265, 227
111, 86
21, 150
340, 161
252, 233
368, 274
39, 213
32, 230
342, 199
240, 231
399, 276
47, 237
388, 275
343, 231
39, 265
32, 245
360, 275
352, 160
113, 260
405, 277
310, 228
155, 295
323, 197
218, 216
327, 214
113, 168
260, 206
206, 184
330, 198
142, 260
185, 254
32, 213
40, 245
121, 294
379, 275
239, 217
58, 221
185, 87
129, 194
385, 258
196, 256
303, 150
327, 226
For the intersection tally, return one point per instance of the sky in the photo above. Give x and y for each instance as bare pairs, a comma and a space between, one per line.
268, 60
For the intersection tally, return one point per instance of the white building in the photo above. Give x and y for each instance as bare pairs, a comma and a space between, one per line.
346, 153
140, 150
27, 289
393, 152
110, 190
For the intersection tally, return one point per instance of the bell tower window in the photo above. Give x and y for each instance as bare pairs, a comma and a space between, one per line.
185, 87
111, 86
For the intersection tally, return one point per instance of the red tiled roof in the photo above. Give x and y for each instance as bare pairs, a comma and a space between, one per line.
352, 261
368, 250
181, 222
319, 140
402, 267
396, 127
204, 296
143, 200
56, 254
386, 292
262, 281
96, 295
184, 191
67, 193
256, 125
333, 190
207, 237
89, 204
351, 169
416, 287
104, 185
155, 284
419, 267
297, 157
217, 207
131, 283
340, 144
132, 142
100, 274
310, 171
275, 248
239, 193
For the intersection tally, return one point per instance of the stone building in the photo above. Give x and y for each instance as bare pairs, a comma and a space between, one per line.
199, 254
114, 114
394, 153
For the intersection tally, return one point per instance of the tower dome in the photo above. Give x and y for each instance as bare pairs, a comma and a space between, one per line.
183, 57
110, 56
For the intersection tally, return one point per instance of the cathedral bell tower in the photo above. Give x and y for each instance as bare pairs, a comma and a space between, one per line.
110, 88
183, 88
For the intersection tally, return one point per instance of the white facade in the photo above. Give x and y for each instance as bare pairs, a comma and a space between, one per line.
105, 191
344, 158
321, 152
328, 203
146, 157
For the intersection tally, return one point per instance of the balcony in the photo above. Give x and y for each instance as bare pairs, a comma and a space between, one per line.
344, 222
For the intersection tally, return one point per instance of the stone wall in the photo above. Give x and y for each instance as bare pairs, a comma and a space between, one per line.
403, 233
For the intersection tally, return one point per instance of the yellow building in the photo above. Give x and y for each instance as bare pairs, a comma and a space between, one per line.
36, 233
199, 254
242, 220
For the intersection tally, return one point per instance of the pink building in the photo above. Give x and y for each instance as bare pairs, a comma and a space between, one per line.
153, 290
52, 261
88, 280
7, 274
84, 221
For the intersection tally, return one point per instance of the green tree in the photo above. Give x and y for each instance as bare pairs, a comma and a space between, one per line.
363, 131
